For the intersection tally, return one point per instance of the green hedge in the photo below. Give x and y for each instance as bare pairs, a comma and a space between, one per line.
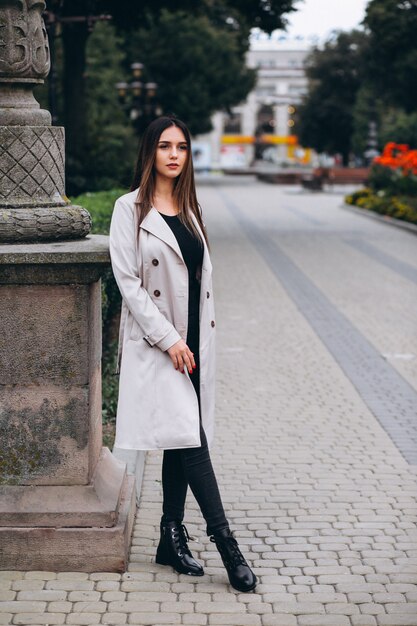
100, 206
401, 207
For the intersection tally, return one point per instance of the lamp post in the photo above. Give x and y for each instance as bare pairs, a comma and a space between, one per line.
372, 143
138, 98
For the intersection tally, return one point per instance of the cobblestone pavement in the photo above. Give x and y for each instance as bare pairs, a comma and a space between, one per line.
315, 449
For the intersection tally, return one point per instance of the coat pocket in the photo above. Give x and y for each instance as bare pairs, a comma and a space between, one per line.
136, 331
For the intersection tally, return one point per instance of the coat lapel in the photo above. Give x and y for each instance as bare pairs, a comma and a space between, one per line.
154, 223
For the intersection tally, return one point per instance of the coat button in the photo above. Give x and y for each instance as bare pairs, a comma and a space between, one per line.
208, 294
155, 262
213, 323
156, 293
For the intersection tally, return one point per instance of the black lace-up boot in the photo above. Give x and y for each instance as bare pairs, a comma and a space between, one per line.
240, 574
173, 550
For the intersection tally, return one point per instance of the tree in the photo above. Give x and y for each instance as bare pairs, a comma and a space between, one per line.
111, 144
76, 19
399, 127
391, 56
325, 117
197, 68
367, 109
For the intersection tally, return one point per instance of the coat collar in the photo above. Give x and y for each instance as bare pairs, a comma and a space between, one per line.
154, 223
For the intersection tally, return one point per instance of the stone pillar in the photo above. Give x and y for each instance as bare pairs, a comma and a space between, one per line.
65, 502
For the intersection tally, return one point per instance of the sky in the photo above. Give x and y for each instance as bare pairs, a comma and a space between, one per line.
320, 17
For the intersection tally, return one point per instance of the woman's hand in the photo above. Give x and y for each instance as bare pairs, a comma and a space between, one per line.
181, 356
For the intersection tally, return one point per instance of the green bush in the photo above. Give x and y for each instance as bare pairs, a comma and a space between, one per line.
392, 180
100, 206
397, 206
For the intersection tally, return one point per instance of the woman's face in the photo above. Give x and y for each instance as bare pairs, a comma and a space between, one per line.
171, 153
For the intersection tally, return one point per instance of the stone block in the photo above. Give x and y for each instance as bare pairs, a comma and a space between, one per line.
83, 549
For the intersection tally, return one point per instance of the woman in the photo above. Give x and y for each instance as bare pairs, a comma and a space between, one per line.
161, 262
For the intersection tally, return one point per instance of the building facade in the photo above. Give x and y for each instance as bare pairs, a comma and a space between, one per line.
263, 128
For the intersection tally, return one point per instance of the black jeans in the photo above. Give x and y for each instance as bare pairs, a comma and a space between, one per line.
192, 466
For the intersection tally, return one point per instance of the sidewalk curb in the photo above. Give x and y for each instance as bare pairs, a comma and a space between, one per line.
384, 219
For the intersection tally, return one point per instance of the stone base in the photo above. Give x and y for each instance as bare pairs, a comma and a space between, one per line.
72, 549
95, 504
135, 464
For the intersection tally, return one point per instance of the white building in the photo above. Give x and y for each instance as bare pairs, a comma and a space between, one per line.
263, 127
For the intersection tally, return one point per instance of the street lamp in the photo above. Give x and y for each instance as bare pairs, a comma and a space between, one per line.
138, 98
371, 150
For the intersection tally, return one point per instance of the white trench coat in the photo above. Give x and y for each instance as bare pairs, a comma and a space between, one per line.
158, 407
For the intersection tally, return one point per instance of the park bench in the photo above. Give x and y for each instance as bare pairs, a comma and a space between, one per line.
335, 176
283, 177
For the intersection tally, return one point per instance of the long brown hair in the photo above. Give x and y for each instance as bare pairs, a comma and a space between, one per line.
184, 185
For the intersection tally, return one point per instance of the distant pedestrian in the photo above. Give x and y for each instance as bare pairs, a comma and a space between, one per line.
160, 258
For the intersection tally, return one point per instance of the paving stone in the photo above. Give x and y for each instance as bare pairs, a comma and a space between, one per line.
177, 607
279, 620
28, 585
155, 596
400, 619
84, 596
107, 585
409, 607
226, 618
11, 595
113, 596
17, 606
104, 576
195, 620
152, 619
341, 608
388, 597
27, 619
298, 608
47, 595
359, 598
372, 608
133, 607
60, 607
363, 620
70, 585
11, 575
87, 619
40, 575
89, 607
113, 619
323, 620
260, 608
322, 597
219, 607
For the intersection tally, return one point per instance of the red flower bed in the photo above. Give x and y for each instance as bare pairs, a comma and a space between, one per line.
398, 156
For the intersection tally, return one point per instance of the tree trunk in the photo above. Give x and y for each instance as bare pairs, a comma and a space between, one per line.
74, 38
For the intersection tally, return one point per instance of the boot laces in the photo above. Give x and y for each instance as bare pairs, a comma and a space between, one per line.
181, 536
229, 551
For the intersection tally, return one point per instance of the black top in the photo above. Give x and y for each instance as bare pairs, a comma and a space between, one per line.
192, 251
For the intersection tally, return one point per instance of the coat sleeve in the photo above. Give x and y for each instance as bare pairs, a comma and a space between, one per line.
156, 328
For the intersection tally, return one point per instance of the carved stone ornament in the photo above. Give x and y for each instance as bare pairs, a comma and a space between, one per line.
33, 205
24, 48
